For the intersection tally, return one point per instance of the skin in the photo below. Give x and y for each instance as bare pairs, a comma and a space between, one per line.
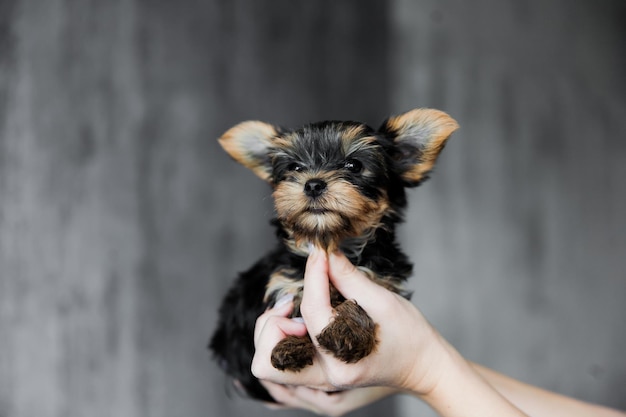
419, 362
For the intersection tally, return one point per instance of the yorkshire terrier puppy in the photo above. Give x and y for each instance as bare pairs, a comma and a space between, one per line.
338, 186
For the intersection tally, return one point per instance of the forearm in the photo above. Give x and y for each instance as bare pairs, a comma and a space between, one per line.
537, 402
458, 390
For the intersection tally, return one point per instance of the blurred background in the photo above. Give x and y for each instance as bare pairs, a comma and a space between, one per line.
122, 222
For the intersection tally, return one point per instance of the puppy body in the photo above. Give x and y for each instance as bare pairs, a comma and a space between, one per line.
338, 186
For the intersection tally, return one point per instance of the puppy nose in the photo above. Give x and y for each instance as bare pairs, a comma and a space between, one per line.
314, 187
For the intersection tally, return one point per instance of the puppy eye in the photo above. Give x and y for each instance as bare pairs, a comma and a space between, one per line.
353, 166
295, 167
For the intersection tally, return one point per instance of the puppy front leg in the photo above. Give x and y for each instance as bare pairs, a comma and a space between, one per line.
293, 353
351, 335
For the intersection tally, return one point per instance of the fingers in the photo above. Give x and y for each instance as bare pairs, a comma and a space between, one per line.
291, 395
283, 308
271, 327
274, 325
316, 309
342, 402
301, 397
311, 376
282, 394
322, 269
322, 402
352, 283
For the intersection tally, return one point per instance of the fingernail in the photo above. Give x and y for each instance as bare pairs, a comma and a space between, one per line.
314, 253
285, 299
298, 319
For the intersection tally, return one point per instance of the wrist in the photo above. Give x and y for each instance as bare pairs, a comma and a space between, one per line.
435, 359
452, 387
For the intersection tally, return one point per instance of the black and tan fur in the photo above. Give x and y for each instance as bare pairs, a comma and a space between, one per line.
338, 186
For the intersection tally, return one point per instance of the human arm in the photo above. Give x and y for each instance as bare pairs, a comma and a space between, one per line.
538, 402
411, 355
532, 400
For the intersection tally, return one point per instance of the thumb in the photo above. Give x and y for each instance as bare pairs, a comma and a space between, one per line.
352, 282
315, 307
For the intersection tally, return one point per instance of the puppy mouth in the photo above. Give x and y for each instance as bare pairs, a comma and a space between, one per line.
317, 210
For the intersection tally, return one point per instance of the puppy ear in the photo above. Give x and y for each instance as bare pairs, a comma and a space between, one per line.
418, 137
248, 143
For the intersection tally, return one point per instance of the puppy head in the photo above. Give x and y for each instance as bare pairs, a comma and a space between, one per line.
339, 180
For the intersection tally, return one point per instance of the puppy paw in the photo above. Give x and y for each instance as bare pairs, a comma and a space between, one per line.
293, 353
352, 334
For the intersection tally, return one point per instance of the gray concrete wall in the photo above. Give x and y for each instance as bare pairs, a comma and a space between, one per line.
122, 222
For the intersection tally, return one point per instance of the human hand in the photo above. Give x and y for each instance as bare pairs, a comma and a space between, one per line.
410, 356
408, 347
275, 323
